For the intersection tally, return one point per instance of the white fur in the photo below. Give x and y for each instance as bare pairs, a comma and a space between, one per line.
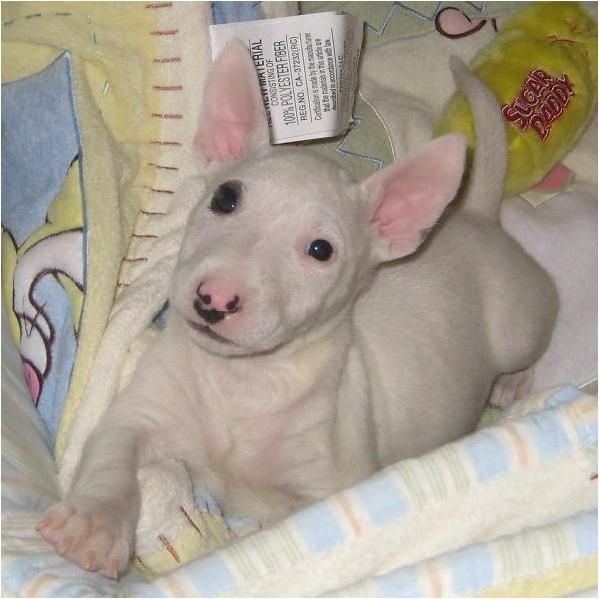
331, 369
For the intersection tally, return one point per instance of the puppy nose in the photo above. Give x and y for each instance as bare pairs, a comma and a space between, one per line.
215, 299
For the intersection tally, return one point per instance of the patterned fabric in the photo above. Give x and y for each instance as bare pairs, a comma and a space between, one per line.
42, 229
478, 569
75, 121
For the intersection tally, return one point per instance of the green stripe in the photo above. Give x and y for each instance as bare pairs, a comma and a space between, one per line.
553, 544
291, 544
559, 543
538, 554
265, 553
500, 571
436, 483
529, 545
514, 557
456, 468
271, 553
414, 493
241, 562
508, 558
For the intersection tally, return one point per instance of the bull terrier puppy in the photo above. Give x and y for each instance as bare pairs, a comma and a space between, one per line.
314, 335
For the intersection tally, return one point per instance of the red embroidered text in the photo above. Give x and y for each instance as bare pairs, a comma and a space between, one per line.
542, 100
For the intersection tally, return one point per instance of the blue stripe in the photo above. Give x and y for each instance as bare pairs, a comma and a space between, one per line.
380, 498
472, 569
585, 526
565, 395
210, 576
319, 527
588, 433
399, 583
487, 453
547, 433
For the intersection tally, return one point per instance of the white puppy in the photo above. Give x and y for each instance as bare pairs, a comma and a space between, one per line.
292, 363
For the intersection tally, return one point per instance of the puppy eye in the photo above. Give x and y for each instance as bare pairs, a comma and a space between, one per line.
320, 249
226, 198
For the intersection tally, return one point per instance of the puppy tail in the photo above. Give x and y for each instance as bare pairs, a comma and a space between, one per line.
488, 170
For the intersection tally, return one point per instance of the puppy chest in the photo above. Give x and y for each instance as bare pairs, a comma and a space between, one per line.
265, 449
259, 423
255, 443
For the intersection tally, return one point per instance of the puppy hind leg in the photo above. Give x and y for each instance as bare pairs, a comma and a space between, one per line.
510, 387
523, 303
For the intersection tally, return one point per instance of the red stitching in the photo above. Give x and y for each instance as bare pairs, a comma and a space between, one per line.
160, 191
149, 236
165, 143
191, 521
170, 59
165, 542
159, 5
166, 116
151, 213
163, 167
165, 32
140, 259
168, 88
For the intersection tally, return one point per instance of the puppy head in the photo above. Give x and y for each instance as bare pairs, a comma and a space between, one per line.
282, 239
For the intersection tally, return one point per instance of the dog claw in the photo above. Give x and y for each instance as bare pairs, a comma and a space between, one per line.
111, 571
91, 561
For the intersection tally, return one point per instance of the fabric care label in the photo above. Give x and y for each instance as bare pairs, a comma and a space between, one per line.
307, 70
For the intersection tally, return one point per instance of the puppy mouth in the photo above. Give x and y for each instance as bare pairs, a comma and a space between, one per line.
206, 330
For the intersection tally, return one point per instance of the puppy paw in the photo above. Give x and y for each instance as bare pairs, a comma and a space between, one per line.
510, 387
91, 533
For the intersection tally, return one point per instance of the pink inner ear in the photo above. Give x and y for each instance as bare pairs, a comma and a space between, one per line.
233, 115
406, 204
225, 144
413, 193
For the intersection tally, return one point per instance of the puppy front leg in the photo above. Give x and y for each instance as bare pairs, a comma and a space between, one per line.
95, 525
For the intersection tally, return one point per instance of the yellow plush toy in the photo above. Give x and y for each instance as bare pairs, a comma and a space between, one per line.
543, 68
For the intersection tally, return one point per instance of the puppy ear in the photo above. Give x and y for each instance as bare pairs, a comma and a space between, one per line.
408, 196
233, 120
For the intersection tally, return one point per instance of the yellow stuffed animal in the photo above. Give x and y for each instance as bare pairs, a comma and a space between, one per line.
543, 68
